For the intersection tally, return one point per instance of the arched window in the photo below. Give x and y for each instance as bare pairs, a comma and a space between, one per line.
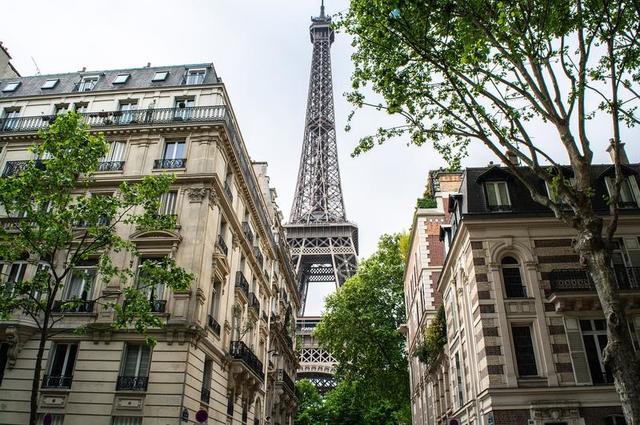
512, 278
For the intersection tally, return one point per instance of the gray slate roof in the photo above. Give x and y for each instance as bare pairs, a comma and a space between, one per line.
139, 78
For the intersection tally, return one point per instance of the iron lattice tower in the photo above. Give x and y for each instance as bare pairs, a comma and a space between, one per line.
324, 245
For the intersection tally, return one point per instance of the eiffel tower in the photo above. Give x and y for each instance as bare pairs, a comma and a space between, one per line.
324, 245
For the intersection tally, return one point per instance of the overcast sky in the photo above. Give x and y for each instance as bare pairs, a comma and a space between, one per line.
261, 49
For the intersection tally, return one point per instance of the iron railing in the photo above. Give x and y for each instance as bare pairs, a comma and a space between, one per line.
569, 280
213, 324
254, 303
132, 383
240, 351
49, 381
246, 229
283, 376
72, 306
158, 306
242, 284
169, 163
222, 245
12, 168
111, 166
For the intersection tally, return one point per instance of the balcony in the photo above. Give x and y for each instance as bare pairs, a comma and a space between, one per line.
60, 382
222, 245
111, 166
254, 303
242, 285
246, 229
242, 353
283, 378
213, 324
132, 383
573, 289
72, 306
169, 164
12, 168
158, 306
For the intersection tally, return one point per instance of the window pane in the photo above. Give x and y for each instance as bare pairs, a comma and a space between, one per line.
502, 190
525, 355
513, 282
491, 194
126, 420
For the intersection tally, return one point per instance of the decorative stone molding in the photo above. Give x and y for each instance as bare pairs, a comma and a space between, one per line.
197, 194
15, 345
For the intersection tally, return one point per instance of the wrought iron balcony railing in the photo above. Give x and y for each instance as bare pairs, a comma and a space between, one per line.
72, 306
246, 229
111, 166
242, 284
222, 245
169, 163
570, 280
15, 167
158, 306
132, 383
240, 351
49, 381
283, 376
213, 324
254, 303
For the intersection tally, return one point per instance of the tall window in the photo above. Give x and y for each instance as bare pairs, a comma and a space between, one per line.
9, 119
80, 107
497, 196
127, 110
168, 203
80, 285
136, 361
628, 191
230, 402
525, 354
61, 368
205, 392
183, 108
174, 150
594, 336
11, 274
195, 76
61, 108
216, 295
153, 290
513, 286
459, 383
116, 152
245, 410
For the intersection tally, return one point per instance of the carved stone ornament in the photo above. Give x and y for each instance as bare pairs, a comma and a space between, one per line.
213, 199
15, 345
197, 194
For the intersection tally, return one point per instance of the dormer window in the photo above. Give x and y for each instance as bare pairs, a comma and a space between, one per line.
160, 76
121, 79
87, 83
49, 84
497, 196
195, 76
10, 87
629, 194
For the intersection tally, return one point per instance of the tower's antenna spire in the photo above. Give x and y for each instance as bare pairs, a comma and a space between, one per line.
322, 9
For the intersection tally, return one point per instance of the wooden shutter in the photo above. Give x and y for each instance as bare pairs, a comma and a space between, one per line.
576, 350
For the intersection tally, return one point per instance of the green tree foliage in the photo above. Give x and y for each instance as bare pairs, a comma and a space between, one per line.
540, 79
360, 329
311, 409
435, 338
52, 220
426, 202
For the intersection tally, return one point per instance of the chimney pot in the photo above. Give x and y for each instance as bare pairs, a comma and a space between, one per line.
84, 68
624, 160
148, 64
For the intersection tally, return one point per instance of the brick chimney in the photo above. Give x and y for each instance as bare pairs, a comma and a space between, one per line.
621, 152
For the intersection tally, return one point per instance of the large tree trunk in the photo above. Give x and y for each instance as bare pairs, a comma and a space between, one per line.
619, 356
37, 372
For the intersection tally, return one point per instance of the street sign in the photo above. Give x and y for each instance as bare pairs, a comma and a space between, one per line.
185, 415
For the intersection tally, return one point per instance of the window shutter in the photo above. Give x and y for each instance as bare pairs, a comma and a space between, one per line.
576, 350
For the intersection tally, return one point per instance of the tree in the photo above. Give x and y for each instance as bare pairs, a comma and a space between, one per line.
310, 405
52, 220
360, 329
527, 78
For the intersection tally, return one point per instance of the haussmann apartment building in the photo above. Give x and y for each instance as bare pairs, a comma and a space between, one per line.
207, 363
525, 331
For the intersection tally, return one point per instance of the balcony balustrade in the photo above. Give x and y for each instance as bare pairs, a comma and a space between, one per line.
240, 351
132, 383
213, 324
254, 303
168, 164
72, 306
222, 245
12, 168
242, 284
111, 166
246, 229
158, 306
283, 377
64, 382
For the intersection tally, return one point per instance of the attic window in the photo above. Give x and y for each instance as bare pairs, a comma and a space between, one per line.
121, 79
11, 87
629, 191
497, 196
49, 84
160, 76
195, 76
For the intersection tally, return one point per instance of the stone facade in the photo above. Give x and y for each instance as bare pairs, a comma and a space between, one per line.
524, 324
228, 233
6, 68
